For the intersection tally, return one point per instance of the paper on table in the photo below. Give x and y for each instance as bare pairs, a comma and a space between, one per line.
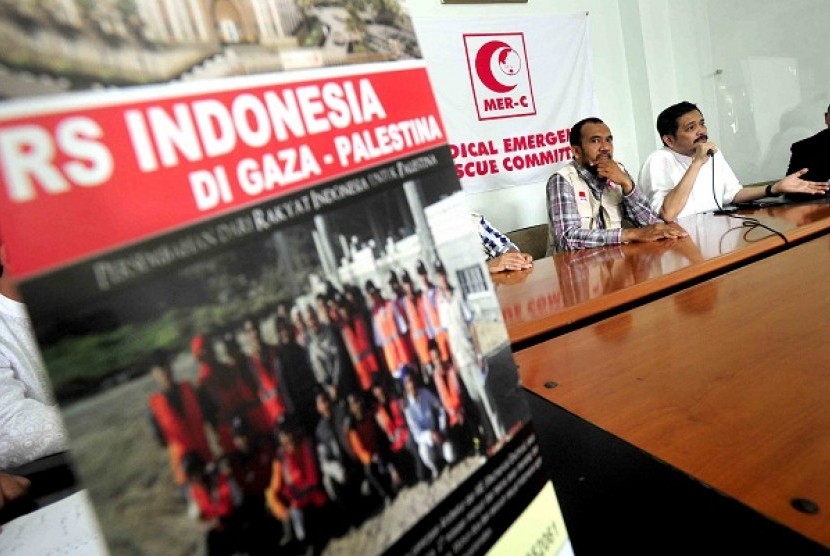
65, 527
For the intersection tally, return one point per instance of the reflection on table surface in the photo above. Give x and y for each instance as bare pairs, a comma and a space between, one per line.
573, 286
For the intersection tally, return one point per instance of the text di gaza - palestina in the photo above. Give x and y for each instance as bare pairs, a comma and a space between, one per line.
284, 118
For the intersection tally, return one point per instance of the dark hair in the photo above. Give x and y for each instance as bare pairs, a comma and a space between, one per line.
432, 344
287, 424
193, 464
667, 120
159, 358
239, 426
282, 323
378, 381
358, 396
370, 287
409, 372
319, 391
576, 130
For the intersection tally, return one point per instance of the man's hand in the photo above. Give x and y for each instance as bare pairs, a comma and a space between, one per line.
702, 151
607, 168
653, 232
12, 487
512, 260
511, 277
794, 184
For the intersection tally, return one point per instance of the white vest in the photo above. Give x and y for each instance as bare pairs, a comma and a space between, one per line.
589, 207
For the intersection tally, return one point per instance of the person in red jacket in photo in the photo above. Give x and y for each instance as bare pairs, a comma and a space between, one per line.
295, 495
390, 417
230, 390
177, 418
358, 339
213, 496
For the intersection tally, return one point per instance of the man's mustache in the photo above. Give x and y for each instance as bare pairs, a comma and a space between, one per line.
702, 139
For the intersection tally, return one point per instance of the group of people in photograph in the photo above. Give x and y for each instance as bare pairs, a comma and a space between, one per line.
324, 411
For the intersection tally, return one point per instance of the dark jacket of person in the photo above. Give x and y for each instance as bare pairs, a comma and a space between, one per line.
813, 153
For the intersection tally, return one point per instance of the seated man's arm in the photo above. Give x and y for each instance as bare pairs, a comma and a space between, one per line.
653, 232
29, 429
636, 207
512, 259
790, 184
650, 227
566, 224
12, 487
669, 198
502, 254
678, 196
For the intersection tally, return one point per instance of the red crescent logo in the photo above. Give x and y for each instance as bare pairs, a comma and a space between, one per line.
484, 58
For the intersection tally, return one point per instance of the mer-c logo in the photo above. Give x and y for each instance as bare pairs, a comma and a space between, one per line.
508, 61
499, 75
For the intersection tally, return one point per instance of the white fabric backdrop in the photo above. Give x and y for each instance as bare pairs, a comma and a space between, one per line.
509, 90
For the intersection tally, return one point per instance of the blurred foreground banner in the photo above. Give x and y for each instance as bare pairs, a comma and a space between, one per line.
264, 310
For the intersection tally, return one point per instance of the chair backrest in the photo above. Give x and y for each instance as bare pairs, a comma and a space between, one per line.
533, 239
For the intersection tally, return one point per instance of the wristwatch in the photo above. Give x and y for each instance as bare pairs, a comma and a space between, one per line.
768, 191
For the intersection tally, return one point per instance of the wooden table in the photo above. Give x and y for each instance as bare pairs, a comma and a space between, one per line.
727, 381
618, 499
573, 288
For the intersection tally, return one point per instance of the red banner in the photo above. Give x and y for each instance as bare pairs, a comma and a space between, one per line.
86, 173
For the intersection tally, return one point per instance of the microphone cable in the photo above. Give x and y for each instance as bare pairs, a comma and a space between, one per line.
746, 221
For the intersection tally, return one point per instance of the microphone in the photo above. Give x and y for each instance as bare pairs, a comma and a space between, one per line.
710, 153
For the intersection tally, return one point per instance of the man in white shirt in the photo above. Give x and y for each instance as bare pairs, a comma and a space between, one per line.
30, 422
31, 428
679, 177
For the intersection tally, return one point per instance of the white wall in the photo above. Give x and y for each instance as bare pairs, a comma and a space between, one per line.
727, 56
774, 84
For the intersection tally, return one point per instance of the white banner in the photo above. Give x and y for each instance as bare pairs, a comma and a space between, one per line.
509, 89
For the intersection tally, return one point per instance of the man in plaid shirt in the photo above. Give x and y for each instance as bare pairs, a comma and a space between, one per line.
590, 198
